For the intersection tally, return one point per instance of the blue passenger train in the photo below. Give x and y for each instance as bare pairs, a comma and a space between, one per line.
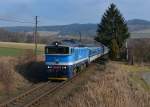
64, 59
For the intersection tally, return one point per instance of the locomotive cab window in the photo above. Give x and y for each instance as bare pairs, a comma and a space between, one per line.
57, 50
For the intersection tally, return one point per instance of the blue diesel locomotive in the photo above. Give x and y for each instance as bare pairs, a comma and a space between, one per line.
64, 60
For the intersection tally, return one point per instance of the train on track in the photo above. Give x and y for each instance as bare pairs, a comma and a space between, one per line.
66, 58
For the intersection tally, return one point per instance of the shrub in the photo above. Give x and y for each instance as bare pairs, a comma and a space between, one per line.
6, 74
27, 56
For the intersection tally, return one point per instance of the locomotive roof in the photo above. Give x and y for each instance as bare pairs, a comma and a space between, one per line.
75, 43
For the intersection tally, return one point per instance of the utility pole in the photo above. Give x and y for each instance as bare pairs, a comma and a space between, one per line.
80, 36
127, 51
35, 37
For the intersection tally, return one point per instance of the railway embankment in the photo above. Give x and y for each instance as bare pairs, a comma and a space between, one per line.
11, 82
18, 75
119, 85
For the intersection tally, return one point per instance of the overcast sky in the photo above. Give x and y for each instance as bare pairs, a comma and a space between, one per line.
59, 12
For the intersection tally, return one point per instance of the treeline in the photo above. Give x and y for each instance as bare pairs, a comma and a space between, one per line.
24, 37
6, 36
139, 50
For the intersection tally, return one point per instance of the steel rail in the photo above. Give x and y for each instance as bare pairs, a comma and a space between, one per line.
43, 90
27, 93
36, 101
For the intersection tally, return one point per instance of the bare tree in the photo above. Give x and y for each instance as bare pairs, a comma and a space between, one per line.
139, 50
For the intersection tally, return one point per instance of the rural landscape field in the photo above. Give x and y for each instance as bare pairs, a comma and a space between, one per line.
83, 53
16, 49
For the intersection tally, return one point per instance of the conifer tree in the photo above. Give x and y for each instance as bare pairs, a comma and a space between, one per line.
112, 30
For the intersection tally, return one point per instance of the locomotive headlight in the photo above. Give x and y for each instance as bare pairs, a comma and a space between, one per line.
65, 67
49, 67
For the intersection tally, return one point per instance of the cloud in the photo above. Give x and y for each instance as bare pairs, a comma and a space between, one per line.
72, 11
16, 10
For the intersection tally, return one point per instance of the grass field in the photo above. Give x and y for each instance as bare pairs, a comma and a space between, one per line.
112, 87
16, 49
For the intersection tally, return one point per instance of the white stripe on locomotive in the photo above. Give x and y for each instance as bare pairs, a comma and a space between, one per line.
69, 63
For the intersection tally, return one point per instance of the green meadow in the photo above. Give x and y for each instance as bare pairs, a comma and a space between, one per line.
16, 49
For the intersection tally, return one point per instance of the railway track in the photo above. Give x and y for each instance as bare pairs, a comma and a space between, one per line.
33, 97
24, 99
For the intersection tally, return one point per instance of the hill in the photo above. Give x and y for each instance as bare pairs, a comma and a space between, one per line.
71, 29
138, 24
85, 29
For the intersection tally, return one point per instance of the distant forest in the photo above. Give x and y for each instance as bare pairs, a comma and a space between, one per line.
24, 37
7, 36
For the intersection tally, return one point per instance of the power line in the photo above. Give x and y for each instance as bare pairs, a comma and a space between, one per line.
12, 20
18, 18
35, 28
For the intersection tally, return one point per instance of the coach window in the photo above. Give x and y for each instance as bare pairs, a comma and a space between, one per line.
46, 50
72, 50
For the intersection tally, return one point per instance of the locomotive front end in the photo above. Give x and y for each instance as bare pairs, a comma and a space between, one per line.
57, 60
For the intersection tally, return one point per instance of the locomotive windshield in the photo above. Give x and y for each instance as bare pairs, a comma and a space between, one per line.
57, 50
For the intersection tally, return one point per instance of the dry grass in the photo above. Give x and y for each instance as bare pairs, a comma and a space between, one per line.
11, 83
8, 64
111, 88
6, 74
20, 45
26, 57
136, 68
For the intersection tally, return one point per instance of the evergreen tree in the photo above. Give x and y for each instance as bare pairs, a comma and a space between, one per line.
112, 30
